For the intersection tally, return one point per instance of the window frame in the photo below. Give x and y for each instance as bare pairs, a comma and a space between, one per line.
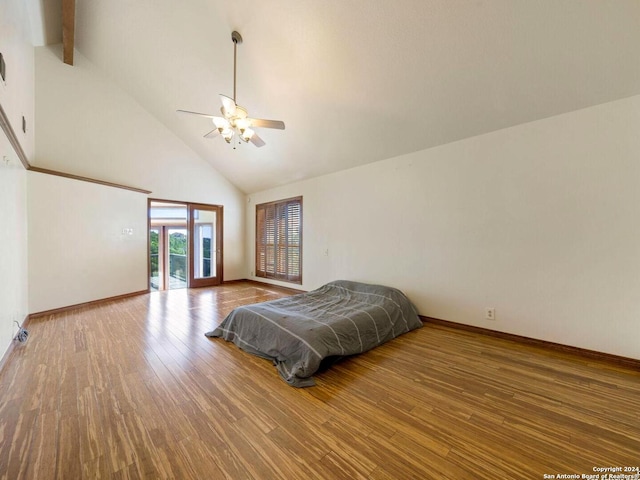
279, 211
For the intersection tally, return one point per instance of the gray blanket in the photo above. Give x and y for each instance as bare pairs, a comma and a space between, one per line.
340, 318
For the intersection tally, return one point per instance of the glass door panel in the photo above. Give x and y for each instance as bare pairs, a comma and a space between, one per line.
155, 259
168, 244
204, 244
206, 262
178, 271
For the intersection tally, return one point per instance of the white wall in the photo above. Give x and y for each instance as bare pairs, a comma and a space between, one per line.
16, 98
77, 249
539, 221
13, 246
88, 126
16, 93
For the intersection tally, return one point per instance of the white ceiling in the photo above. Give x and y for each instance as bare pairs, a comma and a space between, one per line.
359, 81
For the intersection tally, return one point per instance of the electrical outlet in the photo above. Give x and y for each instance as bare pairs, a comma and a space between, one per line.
490, 313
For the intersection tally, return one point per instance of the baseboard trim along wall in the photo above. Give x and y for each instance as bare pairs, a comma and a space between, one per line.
293, 291
92, 303
86, 304
581, 352
142, 292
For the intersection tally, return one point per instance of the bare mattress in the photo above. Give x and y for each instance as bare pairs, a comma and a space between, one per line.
302, 332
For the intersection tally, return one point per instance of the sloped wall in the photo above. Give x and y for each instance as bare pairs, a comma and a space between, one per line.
17, 90
88, 126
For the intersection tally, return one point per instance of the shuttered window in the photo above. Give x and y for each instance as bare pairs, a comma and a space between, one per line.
279, 240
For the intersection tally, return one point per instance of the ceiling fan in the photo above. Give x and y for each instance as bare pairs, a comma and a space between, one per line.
234, 120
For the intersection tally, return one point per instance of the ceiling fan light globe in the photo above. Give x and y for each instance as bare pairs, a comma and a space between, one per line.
246, 134
227, 134
242, 124
221, 124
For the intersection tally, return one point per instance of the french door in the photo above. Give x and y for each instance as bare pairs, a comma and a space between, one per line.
205, 245
185, 245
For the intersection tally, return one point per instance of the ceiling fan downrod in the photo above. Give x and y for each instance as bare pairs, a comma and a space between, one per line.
236, 38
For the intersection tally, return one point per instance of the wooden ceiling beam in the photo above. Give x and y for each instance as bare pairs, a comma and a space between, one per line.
68, 30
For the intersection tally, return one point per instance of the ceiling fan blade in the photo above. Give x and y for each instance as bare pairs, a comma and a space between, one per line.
261, 122
195, 113
257, 141
212, 134
228, 105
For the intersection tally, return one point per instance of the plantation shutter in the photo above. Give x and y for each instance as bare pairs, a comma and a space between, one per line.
261, 240
294, 241
279, 240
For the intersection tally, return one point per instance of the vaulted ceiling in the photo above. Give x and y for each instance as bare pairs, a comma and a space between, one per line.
358, 81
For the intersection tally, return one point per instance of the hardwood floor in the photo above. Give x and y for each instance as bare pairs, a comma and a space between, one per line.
133, 389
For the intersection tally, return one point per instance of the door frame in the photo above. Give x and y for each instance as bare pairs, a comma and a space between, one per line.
193, 282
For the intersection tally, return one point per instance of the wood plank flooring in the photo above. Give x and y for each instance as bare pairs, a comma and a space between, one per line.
133, 389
